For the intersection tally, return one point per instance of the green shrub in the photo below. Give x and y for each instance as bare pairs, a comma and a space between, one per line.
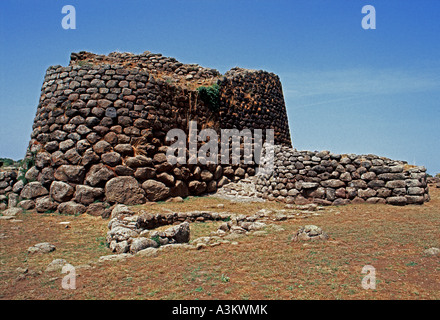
210, 96
156, 238
6, 162
25, 165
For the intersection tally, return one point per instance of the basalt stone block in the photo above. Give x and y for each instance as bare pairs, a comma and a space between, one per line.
395, 184
197, 187
412, 199
334, 183
61, 191
86, 195
124, 190
102, 146
155, 190
122, 170
71, 208
138, 161
367, 193
375, 184
111, 158
70, 173
45, 204
397, 201
33, 190
98, 175
124, 149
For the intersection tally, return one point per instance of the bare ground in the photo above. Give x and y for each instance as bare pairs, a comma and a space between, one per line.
391, 239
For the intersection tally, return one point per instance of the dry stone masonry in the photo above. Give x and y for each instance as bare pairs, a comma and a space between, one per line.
99, 140
334, 179
98, 137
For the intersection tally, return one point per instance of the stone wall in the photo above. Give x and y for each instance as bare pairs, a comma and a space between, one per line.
101, 122
245, 103
334, 179
8, 178
99, 139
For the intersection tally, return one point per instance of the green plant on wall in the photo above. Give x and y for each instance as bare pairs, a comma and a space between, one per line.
26, 164
210, 96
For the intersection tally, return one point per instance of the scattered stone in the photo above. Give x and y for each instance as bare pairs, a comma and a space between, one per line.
432, 251
260, 233
148, 252
56, 265
114, 257
22, 270
44, 247
310, 232
308, 207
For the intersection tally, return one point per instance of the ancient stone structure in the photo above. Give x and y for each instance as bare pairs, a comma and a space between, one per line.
335, 179
99, 135
133, 232
99, 139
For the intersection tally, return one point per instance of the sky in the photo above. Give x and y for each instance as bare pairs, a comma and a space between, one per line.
347, 89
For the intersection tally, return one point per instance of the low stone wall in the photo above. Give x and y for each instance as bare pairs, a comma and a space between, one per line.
133, 232
335, 179
8, 179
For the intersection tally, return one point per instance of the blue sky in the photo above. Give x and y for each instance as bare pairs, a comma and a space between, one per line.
347, 90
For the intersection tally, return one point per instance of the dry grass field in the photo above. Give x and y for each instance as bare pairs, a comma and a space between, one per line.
392, 239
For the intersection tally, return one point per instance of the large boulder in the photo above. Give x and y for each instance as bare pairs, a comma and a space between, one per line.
61, 191
99, 175
33, 190
142, 243
45, 204
99, 209
179, 233
156, 190
124, 190
180, 189
43, 247
70, 173
397, 201
87, 195
27, 204
197, 187
71, 208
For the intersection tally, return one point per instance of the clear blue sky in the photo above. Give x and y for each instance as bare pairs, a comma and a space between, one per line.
347, 90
